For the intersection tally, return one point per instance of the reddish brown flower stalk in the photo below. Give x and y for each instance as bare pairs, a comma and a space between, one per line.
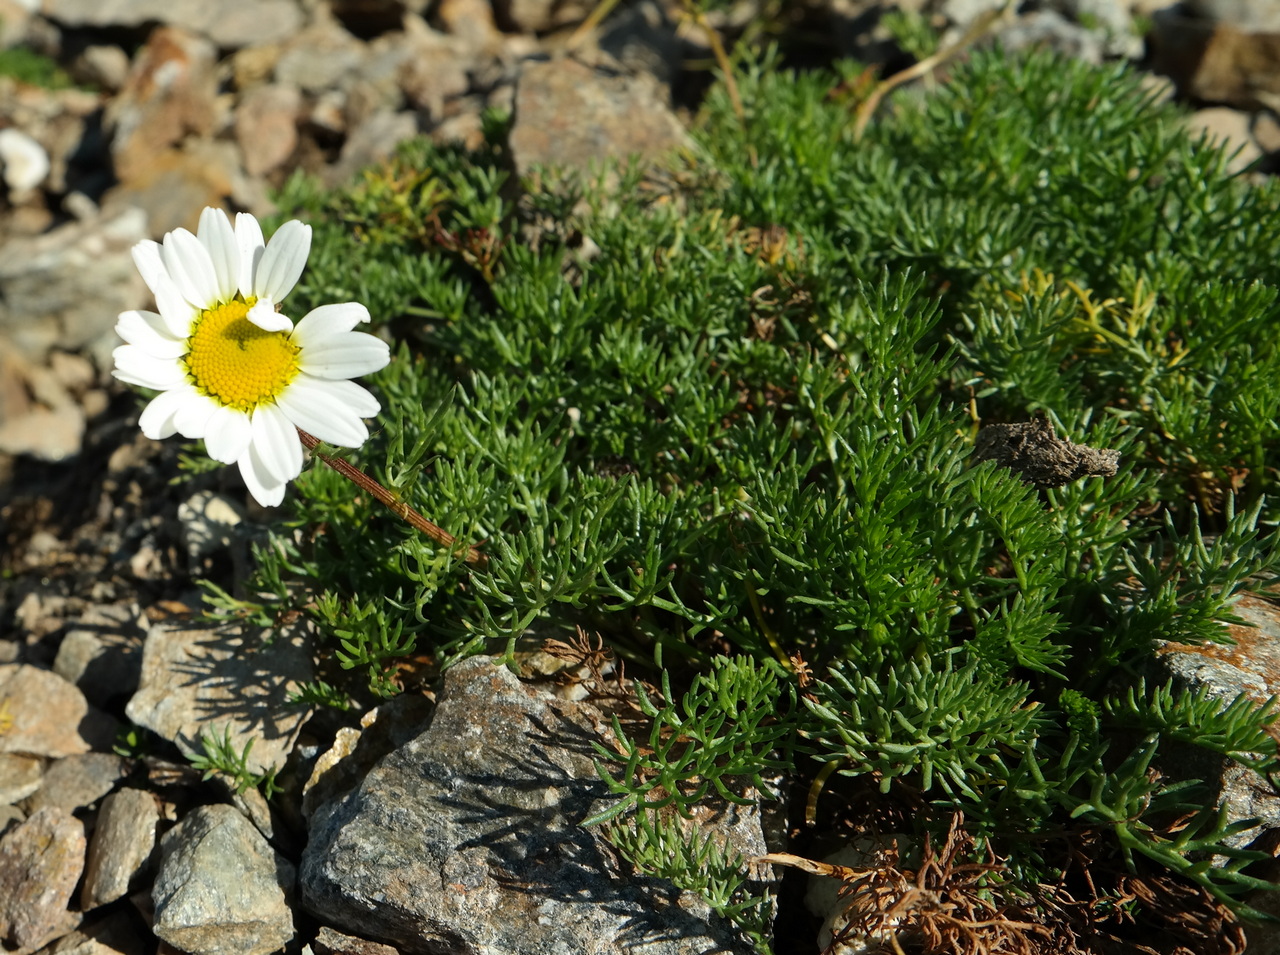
399, 508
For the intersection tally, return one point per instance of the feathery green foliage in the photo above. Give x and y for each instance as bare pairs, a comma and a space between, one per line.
739, 419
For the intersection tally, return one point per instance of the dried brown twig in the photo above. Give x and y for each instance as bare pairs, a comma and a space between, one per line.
469, 552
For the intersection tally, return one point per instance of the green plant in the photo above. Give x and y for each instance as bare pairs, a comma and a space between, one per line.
27, 66
660, 846
720, 739
218, 756
735, 441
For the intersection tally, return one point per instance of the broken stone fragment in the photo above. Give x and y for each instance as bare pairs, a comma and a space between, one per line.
1034, 451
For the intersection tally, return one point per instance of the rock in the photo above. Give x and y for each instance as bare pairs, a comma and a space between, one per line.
823, 900
1250, 666
170, 94
209, 523
15, 16
65, 288
220, 888
23, 163
50, 716
433, 73
1256, 16
63, 124
470, 22
339, 769
77, 782
41, 419
319, 57
102, 66
1049, 29
101, 652
538, 16
219, 679
176, 184
121, 847
1217, 63
20, 776
467, 838
112, 934
1266, 132
267, 127
568, 114
233, 23
1229, 129
374, 139
228, 23
40, 863
643, 39
329, 942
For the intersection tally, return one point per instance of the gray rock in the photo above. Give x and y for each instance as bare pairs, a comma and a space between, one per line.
101, 652
77, 782
533, 16
102, 66
229, 23
40, 863
374, 139
113, 934
220, 888
20, 776
15, 16
170, 94
121, 847
329, 942
219, 679
643, 39
1217, 62
209, 523
1048, 29
65, 288
1251, 666
41, 419
1252, 16
23, 163
50, 717
267, 127
433, 73
569, 114
466, 839
319, 57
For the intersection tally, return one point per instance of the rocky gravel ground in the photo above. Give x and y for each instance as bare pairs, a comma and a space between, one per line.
158, 108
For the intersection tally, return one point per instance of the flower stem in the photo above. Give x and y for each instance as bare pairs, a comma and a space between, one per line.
469, 552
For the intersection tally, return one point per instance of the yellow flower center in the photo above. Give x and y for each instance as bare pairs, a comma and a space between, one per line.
236, 363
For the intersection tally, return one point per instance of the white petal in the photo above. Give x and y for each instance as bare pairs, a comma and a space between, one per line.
249, 241
323, 409
227, 436
276, 443
261, 484
354, 397
194, 416
175, 309
149, 332
159, 417
264, 315
138, 368
320, 323
190, 268
219, 239
283, 261
347, 355
150, 262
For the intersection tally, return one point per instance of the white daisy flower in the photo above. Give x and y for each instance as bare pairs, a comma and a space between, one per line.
231, 369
